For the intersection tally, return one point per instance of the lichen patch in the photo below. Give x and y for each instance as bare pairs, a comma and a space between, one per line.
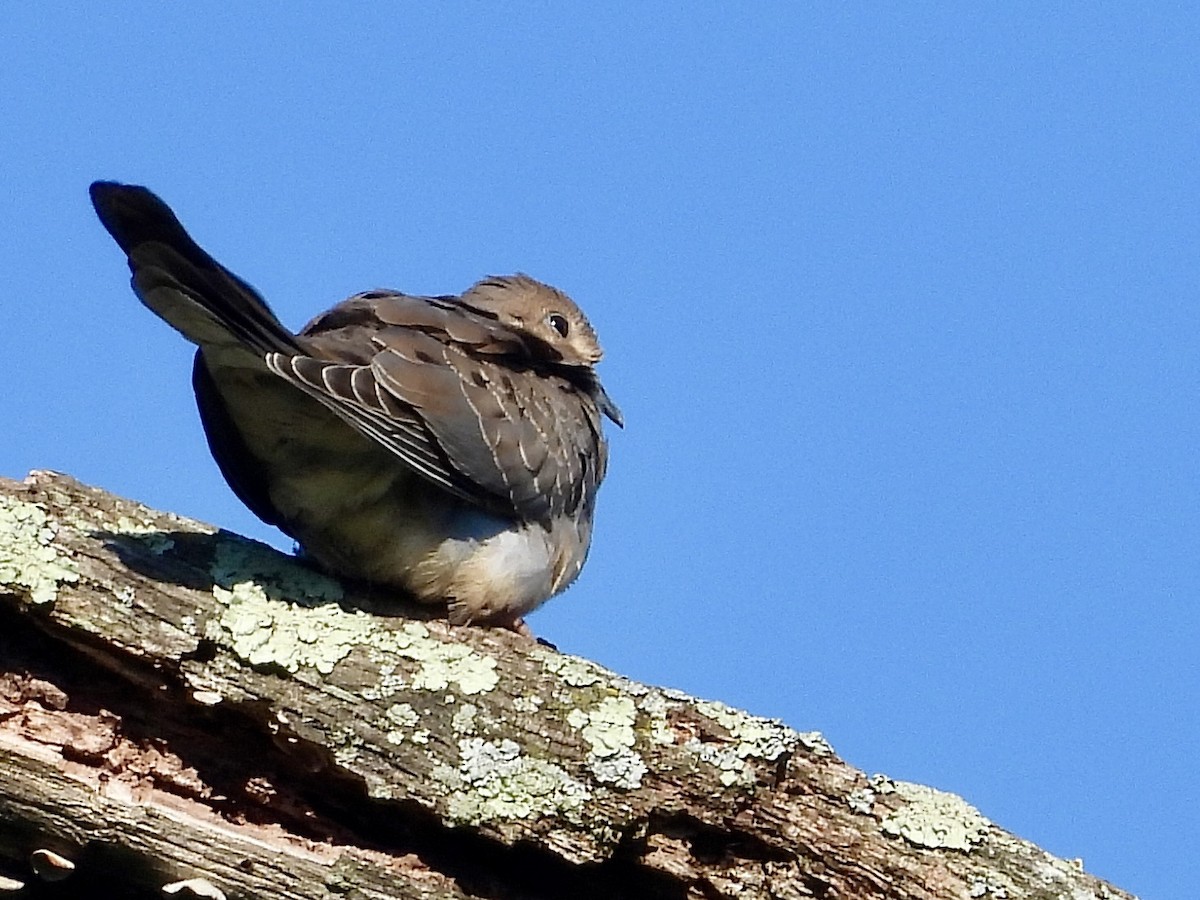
443, 665
608, 726
399, 726
239, 561
623, 769
463, 720
935, 819
265, 631
497, 782
29, 559
656, 706
148, 533
754, 736
608, 729
279, 613
574, 671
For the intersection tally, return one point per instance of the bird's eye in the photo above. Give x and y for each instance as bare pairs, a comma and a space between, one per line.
559, 324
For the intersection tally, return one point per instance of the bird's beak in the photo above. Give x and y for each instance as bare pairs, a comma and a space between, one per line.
606, 405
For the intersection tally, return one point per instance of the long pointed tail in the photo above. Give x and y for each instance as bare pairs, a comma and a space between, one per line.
174, 277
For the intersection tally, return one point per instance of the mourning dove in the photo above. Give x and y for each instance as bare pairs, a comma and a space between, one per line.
447, 446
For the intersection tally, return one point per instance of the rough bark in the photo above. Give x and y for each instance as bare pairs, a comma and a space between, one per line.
183, 709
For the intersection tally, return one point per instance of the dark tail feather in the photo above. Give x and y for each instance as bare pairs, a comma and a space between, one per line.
178, 280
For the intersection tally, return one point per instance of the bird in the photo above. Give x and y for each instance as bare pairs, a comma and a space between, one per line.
446, 447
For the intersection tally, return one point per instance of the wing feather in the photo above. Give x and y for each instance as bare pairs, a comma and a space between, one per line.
451, 392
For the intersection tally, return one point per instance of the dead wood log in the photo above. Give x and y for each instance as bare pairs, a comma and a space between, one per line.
187, 711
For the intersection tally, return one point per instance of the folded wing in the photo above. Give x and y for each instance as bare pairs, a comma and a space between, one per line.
457, 397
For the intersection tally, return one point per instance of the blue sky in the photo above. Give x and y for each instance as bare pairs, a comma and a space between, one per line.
899, 304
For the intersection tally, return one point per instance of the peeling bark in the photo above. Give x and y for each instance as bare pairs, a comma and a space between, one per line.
183, 710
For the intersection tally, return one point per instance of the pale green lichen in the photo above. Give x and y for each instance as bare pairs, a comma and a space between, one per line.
279, 613
732, 769
574, 671
238, 561
882, 784
623, 769
441, 664
577, 718
148, 533
608, 730
755, 736
608, 726
388, 685
990, 884
529, 705
463, 720
404, 717
265, 631
748, 737
445, 664
815, 743
935, 819
656, 707
347, 744
1060, 878
497, 782
629, 687
403, 714
29, 560
861, 800
661, 733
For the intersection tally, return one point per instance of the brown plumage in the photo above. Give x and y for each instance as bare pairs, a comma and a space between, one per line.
447, 446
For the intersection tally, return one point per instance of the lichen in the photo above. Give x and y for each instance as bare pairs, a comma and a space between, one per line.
608, 730
732, 769
609, 725
148, 533
444, 664
861, 800
266, 631
623, 769
815, 743
388, 685
528, 705
279, 613
656, 707
989, 884
347, 745
441, 664
463, 720
755, 736
572, 670
403, 714
497, 782
403, 717
239, 561
29, 560
935, 819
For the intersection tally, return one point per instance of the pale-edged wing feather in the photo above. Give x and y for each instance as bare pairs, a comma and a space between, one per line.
454, 395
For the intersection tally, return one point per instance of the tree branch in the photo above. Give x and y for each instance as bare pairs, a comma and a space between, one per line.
182, 707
